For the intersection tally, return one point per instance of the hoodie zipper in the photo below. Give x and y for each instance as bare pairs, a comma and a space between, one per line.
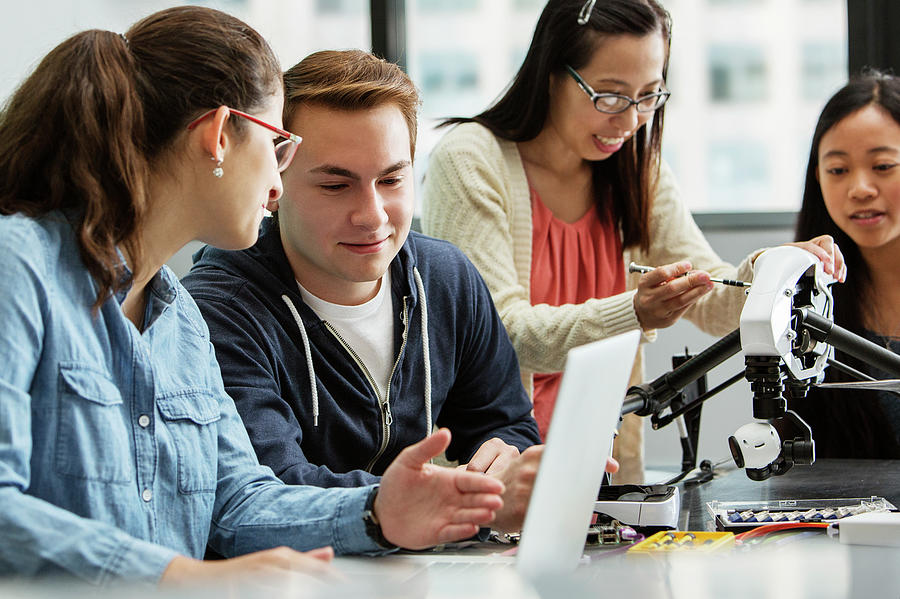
387, 419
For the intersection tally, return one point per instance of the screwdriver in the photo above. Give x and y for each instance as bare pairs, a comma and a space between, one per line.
641, 268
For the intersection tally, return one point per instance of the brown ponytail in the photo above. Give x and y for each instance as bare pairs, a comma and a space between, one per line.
68, 141
82, 132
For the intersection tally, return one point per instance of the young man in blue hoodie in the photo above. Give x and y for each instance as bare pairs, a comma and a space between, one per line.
342, 336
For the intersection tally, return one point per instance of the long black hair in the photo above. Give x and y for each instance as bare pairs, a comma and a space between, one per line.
519, 115
846, 424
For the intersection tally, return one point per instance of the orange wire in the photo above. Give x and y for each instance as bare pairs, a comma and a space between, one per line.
767, 528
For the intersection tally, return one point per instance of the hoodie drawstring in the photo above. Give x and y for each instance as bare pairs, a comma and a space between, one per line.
426, 354
309, 363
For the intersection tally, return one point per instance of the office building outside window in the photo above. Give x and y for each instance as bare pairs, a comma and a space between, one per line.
748, 80
737, 73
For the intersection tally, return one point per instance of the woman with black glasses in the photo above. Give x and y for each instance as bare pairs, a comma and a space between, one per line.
121, 456
557, 186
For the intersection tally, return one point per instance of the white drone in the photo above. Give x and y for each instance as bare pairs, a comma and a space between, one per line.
787, 325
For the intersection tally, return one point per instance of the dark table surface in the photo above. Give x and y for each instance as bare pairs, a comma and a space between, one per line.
825, 479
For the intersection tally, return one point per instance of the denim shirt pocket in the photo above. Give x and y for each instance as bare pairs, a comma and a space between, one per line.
93, 437
190, 417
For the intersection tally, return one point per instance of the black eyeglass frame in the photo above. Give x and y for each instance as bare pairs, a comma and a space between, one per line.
661, 97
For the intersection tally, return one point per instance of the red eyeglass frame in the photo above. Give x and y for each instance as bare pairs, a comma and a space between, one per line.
291, 138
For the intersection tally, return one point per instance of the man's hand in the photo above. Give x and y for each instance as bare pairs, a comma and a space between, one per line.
419, 505
665, 293
494, 456
518, 480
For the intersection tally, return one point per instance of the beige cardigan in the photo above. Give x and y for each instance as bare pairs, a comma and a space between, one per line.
476, 196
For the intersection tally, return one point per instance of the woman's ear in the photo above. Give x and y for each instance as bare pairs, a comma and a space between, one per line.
214, 140
272, 202
552, 83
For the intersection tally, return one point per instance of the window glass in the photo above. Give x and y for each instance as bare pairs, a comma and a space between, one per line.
461, 55
823, 65
748, 79
449, 79
737, 73
294, 28
445, 6
738, 173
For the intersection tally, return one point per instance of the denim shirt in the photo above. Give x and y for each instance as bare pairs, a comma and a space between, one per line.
119, 449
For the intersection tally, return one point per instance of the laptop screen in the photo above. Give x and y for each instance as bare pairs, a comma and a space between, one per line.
578, 443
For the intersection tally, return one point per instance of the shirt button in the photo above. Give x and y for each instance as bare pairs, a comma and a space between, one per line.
144, 420
147, 495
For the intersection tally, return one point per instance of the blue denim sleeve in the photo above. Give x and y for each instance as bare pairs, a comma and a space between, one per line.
37, 537
254, 510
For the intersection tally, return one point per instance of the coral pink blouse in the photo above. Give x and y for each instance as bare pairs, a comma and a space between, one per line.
570, 263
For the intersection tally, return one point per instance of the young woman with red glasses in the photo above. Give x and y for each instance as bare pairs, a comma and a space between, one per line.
121, 455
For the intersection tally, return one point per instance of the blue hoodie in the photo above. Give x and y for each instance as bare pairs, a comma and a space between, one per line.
463, 374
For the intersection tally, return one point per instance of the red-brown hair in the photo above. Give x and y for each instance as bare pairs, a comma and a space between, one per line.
351, 80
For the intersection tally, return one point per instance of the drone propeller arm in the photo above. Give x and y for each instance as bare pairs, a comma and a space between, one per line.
655, 396
824, 330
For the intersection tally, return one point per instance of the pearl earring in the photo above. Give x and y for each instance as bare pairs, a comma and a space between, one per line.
218, 171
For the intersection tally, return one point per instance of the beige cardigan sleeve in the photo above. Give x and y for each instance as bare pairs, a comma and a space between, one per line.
674, 236
476, 196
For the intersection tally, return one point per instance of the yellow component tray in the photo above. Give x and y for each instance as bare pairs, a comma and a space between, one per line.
674, 540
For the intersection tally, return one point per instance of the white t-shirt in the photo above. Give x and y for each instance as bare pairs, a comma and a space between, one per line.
367, 328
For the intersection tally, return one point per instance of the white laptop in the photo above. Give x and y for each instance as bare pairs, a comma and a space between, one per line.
578, 443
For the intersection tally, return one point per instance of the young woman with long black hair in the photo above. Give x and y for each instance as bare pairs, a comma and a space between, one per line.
853, 194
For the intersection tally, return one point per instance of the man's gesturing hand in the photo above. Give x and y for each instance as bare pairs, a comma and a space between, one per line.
419, 505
